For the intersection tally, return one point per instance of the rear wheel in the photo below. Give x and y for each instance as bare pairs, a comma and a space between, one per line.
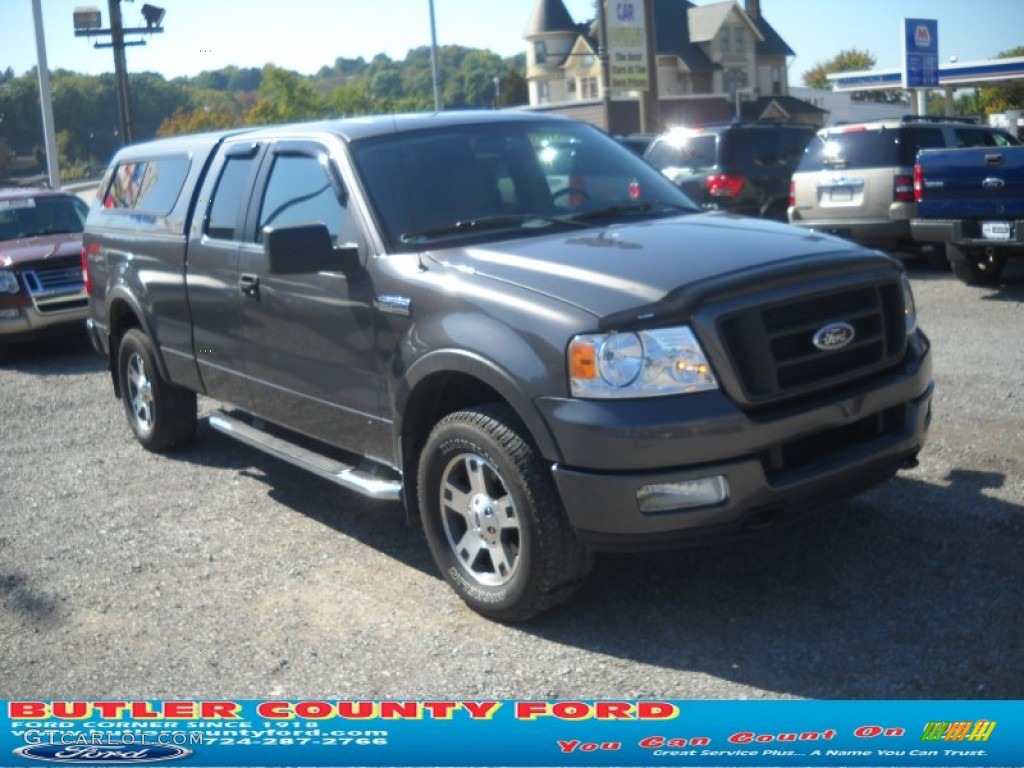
493, 519
976, 266
161, 415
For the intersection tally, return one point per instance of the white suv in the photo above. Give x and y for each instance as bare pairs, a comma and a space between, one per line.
857, 180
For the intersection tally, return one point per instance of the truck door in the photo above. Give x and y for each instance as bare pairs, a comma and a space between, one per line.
212, 271
310, 338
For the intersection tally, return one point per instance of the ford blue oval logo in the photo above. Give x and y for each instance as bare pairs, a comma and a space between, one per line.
834, 336
105, 755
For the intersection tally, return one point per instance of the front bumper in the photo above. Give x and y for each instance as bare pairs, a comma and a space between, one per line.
778, 466
26, 322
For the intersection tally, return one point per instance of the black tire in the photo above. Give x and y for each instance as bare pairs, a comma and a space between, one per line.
976, 266
161, 415
493, 519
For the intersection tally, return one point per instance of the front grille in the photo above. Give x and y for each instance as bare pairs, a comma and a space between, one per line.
57, 286
772, 347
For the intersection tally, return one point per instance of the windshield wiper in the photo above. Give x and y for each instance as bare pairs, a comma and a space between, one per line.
626, 209
485, 224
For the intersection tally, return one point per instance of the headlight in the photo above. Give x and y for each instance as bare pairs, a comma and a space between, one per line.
909, 308
665, 361
8, 281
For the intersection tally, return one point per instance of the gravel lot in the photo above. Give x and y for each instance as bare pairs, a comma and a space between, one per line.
219, 572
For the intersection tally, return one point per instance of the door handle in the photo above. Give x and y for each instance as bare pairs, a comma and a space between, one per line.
249, 284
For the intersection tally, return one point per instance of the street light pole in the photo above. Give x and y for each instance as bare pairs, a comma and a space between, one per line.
433, 60
45, 101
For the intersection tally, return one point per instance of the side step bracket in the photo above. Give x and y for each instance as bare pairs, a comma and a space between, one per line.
345, 475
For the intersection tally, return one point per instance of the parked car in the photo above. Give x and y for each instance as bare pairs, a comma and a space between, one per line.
41, 281
509, 322
857, 180
741, 167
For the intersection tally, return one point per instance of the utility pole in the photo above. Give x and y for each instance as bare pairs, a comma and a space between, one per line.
120, 71
88, 23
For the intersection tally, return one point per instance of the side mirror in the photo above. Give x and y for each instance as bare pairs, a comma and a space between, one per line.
304, 249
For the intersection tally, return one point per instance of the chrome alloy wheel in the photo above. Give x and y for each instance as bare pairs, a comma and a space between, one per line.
140, 393
480, 520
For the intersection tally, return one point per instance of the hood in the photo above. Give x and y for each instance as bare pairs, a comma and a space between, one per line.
618, 268
35, 249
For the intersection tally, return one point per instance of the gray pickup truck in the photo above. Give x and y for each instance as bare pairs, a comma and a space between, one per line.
511, 324
971, 199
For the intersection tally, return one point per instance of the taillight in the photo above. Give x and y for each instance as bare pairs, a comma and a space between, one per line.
918, 184
903, 189
725, 185
92, 249
792, 194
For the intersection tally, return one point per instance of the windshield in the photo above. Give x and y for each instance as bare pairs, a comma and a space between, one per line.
495, 180
44, 215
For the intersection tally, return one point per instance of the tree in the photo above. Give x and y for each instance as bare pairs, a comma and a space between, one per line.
850, 60
285, 97
197, 120
999, 98
514, 89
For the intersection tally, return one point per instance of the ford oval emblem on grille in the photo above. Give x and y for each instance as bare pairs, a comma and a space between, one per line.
834, 336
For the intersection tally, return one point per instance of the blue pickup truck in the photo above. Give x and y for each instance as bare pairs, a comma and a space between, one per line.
973, 201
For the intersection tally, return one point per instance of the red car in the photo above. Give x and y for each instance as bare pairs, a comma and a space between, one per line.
41, 284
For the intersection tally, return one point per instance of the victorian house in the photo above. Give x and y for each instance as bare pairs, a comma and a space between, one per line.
715, 62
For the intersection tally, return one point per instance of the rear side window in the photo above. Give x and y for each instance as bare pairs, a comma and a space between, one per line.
979, 137
232, 186
148, 186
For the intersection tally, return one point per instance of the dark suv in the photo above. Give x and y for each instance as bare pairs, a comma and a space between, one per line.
742, 168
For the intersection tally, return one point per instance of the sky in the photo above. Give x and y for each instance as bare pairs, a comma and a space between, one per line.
305, 35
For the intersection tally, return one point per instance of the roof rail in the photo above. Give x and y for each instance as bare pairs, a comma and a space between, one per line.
937, 119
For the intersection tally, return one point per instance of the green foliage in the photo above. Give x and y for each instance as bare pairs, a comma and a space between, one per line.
285, 97
850, 60
999, 98
86, 112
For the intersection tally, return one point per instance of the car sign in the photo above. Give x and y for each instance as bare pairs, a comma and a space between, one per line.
834, 336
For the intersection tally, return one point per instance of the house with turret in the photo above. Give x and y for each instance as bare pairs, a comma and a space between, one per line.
714, 62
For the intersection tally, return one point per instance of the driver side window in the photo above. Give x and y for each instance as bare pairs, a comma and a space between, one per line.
299, 191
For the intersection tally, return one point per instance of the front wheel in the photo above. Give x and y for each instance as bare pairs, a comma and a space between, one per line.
493, 519
161, 415
977, 266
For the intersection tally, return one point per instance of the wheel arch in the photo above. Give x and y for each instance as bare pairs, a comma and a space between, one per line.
447, 381
123, 314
